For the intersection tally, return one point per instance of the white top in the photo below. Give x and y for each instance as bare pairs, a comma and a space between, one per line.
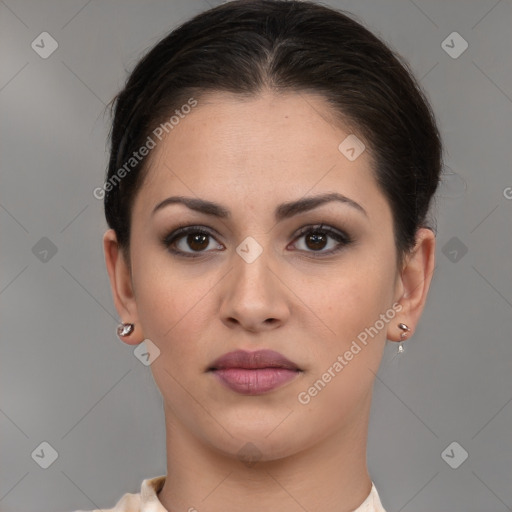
147, 500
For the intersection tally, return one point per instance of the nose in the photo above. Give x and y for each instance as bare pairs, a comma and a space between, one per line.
254, 297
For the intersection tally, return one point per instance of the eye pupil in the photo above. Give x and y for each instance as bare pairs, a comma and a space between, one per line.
318, 240
197, 241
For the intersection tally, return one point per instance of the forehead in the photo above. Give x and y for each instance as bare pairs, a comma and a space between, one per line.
271, 145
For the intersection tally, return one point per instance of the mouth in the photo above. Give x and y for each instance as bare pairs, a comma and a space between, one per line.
254, 373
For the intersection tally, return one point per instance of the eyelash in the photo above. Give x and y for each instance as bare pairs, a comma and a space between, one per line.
341, 237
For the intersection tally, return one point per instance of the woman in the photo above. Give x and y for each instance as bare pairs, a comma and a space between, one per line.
272, 166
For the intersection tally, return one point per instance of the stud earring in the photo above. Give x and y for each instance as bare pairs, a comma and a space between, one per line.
125, 329
403, 336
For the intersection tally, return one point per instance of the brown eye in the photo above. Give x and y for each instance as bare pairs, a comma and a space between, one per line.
198, 241
314, 239
191, 241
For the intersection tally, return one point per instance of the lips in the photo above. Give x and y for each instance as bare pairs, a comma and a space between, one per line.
254, 373
252, 360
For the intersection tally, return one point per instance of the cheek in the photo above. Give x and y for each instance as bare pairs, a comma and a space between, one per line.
346, 361
171, 305
355, 297
350, 306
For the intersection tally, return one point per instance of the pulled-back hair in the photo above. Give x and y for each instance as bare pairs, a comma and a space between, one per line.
250, 46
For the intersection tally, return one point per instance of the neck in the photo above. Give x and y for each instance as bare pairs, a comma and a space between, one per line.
330, 476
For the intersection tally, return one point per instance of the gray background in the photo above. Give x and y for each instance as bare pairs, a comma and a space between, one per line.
65, 377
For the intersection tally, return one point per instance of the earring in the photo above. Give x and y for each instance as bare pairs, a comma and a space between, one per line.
403, 336
125, 329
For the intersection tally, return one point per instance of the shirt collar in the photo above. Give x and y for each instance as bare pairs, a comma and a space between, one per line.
150, 488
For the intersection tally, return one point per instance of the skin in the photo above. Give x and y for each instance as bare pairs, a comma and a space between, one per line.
250, 156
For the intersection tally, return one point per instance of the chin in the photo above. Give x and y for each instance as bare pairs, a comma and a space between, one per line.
263, 442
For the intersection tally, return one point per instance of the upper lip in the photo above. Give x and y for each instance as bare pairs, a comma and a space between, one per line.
252, 360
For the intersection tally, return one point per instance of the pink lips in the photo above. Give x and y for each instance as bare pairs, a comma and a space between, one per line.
253, 373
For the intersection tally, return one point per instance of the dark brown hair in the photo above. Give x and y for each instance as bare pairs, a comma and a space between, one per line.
247, 46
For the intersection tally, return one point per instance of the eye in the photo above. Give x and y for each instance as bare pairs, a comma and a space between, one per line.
321, 239
192, 241
189, 241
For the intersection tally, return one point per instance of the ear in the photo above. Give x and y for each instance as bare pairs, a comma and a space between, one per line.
121, 285
414, 282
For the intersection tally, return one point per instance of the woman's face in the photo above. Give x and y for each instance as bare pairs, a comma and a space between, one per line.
262, 277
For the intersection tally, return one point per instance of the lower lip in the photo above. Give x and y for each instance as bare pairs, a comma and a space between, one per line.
254, 381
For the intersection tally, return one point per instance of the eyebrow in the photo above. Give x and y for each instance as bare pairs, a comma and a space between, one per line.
283, 211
